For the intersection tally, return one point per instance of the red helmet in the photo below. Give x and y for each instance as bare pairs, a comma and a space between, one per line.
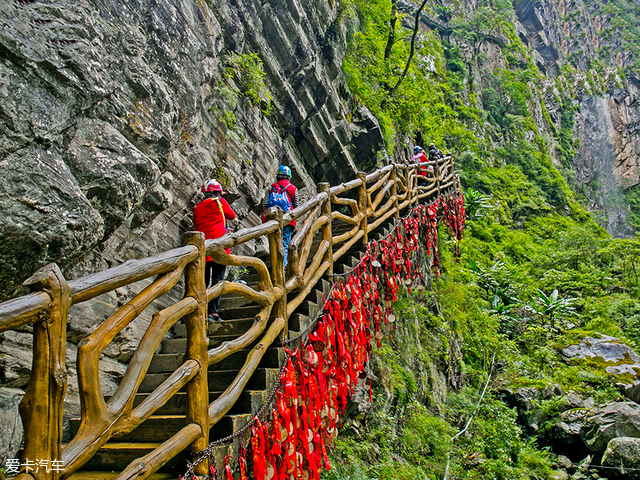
212, 185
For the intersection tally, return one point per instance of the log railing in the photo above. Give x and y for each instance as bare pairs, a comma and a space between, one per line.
362, 204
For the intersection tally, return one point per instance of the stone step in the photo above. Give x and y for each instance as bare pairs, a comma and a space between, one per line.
160, 428
249, 401
117, 456
298, 322
239, 313
169, 362
228, 302
179, 345
218, 380
224, 327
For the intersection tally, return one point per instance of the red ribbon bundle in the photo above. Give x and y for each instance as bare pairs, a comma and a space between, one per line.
321, 375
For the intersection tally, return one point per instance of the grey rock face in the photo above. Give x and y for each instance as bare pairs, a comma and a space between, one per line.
623, 454
10, 423
564, 434
113, 174
129, 103
45, 215
604, 156
618, 359
17, 347
614, 420
607, 122
527, 402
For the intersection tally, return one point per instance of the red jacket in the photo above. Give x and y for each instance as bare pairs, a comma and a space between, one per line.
292, 192
422, 171
210, 216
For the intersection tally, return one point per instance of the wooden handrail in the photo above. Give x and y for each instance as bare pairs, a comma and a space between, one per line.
22, 310
86, 288
372, 199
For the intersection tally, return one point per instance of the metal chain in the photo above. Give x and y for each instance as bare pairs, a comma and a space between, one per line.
208, 452
314, 322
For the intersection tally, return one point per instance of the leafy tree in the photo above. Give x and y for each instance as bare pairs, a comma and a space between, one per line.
476, 27
552, 307
626, 251
475, 204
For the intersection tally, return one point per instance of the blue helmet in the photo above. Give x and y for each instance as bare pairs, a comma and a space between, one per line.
284, 170
416, 149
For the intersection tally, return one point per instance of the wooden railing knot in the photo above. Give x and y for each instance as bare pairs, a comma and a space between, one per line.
60, 376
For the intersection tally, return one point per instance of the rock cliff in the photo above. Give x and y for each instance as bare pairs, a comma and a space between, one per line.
113, 113
575, 44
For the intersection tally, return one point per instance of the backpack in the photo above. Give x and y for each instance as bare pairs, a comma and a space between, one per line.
279, 198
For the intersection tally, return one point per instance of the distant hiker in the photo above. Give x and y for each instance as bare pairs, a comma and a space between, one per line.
434, 152
210, 216
283, 194
420, 157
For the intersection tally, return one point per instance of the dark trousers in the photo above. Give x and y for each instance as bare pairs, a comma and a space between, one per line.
213, 272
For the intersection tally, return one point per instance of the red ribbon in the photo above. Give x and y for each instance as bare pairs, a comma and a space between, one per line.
227, 469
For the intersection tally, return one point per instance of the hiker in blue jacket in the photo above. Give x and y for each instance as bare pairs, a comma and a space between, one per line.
283, 194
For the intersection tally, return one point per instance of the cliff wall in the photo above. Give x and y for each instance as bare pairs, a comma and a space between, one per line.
113, 113
584, 56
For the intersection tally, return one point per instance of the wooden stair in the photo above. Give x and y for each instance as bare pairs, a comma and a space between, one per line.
238, 316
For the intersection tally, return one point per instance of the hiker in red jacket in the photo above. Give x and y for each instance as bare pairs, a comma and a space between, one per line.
288, 201
210, 216
420, 157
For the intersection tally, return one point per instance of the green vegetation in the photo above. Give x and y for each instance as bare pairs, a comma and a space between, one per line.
536, 273
247, 72
621, 21
632, 196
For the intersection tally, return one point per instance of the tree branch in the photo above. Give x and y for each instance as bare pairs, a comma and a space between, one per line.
413, 48
392, 29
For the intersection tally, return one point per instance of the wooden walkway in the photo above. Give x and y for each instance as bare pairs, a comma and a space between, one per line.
206, 382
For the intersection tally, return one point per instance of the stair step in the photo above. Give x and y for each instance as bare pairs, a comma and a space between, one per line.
160, 428
228, 302
218, 380
298, 321
249, 401
239, 313
169, 362
179, 345
116, 457
223, 327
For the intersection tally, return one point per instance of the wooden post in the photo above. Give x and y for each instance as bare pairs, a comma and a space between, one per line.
41, 406
363, 205
197, 343
436, 169
394, 189
327, 233
407, 180
277, 268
